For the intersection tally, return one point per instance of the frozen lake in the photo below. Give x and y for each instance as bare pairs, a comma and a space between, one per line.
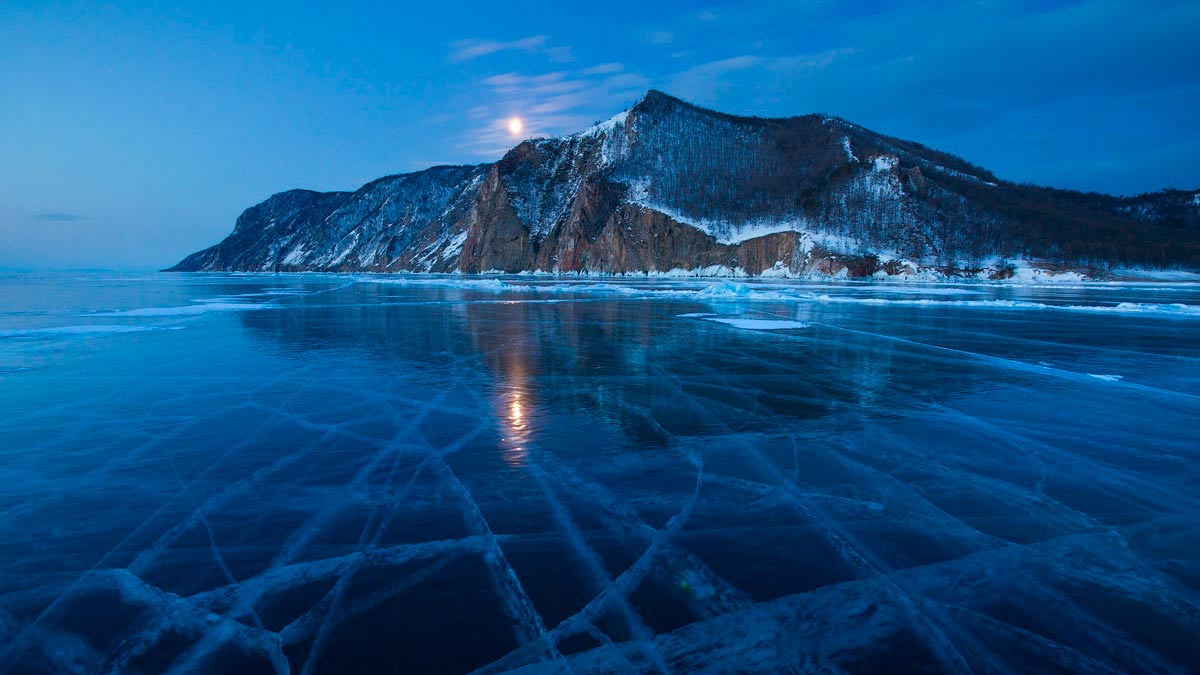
352, 474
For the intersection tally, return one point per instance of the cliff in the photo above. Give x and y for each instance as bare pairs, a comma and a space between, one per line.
670, 186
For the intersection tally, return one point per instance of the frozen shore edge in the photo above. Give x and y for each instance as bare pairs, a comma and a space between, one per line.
1019, 276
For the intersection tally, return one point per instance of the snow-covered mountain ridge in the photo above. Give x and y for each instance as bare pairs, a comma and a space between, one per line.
670, 186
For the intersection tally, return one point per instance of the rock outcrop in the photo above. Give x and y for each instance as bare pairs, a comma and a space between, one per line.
670, 186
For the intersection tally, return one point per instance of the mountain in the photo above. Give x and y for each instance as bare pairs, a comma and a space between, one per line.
667, 185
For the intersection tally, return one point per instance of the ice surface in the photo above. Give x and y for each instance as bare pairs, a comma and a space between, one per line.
93, 329
452, 474
760, 324
202, 307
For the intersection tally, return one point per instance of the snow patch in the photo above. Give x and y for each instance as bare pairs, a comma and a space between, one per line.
346, 249
295, 256
733, 291
1138, 274
726, 290
187, 310
849, 152
1178, 310
605, 126
924, 290
66, 331
761, 324
726, 232
777, 271
455, 245
1025, 273
499, 286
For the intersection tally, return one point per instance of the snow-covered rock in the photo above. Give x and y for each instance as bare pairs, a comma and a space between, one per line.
667, 186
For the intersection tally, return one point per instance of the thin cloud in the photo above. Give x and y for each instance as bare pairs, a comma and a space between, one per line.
559, 54
703, 83
548, 84
660, 37
53, 217
603, 69
465, 50
550, 104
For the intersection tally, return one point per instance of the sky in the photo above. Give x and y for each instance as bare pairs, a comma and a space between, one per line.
132, 134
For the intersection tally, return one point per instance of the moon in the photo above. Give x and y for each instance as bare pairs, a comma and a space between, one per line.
515, 125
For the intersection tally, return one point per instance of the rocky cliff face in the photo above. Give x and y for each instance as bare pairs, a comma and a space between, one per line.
669, 186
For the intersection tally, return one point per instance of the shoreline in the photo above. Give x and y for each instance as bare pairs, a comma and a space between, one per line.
1042, 278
